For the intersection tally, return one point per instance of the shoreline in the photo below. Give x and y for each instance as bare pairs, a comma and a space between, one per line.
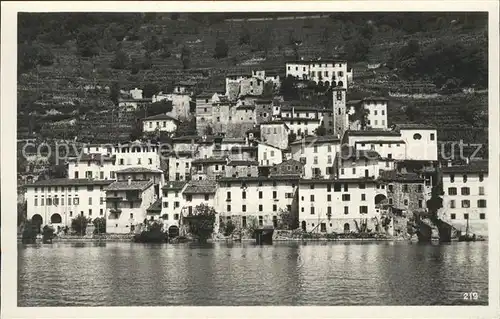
125, 240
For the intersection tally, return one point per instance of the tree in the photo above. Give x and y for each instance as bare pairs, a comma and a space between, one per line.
288, 89
30, 231
268, 90
229, 228
186, 58
152, 44
201, 223
150, 89
79, 224
209, 130
287, 220
120, 61
86, 42
358, 48
321, 130
147, 62
21, 213
221, 49
100, 225
245, 36
160, 107
114, 93
435, 202
292, 137
412, 112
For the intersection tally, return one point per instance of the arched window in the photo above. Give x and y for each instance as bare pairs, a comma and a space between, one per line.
417, 136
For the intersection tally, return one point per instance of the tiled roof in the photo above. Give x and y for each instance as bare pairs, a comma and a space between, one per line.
403, 177
97, 157
243, 163
210, 160
372, 133
317, 139
381, 142
480, 166
174, 185
273, 122
138, 169
353, 102
155, 207
299, 119
69, 182
124, 185
413, 126
245, 107
259, 178
338, 180
201, 187
160, 117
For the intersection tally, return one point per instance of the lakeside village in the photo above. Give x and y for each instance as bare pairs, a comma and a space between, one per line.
295, 169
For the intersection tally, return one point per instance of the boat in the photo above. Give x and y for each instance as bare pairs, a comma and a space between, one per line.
467, 236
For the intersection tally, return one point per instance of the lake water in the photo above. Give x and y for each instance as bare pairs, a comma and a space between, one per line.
224, 274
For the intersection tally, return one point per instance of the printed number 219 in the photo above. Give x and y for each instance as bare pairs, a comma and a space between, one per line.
471, 295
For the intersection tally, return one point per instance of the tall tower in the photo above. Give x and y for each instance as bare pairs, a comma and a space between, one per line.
340, 115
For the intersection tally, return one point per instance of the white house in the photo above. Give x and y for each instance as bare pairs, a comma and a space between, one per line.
340, 205
352, 163
388, 149
317, 153
331, 72
92, 166
421, 141
126, 205
377, 111
137, 154
275, 133
172, 203
160, 122
465, 196
269, 155
58, 201
246, 200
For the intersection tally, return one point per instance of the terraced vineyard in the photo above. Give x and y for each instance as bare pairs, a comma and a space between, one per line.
63, 86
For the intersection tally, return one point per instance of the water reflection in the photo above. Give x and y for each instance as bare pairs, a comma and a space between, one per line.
128, 274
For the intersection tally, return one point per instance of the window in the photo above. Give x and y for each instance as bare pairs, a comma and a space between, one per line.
244, 221
228, 197
354, 170
466, 203
405, 202
176, 204
481, 190
243, 208
482, 216
481, 177
346, 210
228, 208
315, 160
312, 198
453, 216
481, 203
405, 188
465, 178
465, 191
363, 209
206, 197
420, 203
417, 136
328, 198
176, 216
243, 194
346, 197
363, 197
346, 187
275, 208
466, 216
312, 210
329, 159
419, 188
76, 201
337, 187
36, 201
432, 137
452, 203
90, 200
452, 191
342, 171
452, 178
260, 194
390, 201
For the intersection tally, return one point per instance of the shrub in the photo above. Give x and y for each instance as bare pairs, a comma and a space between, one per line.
79, 224
100, 225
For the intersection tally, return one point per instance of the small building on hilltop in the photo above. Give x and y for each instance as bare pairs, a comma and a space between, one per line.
161, 123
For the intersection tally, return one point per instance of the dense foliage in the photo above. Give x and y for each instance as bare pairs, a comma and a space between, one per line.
79, 224
201, 222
